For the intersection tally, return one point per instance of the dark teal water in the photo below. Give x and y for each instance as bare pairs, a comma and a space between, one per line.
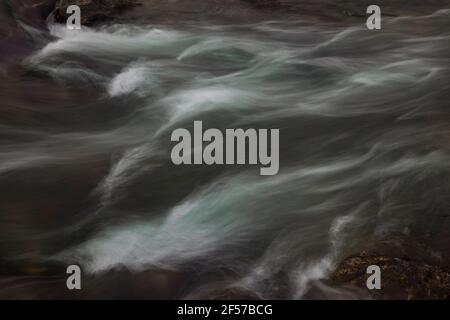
86, 176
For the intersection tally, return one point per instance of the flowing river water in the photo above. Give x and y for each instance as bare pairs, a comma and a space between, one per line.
86, 176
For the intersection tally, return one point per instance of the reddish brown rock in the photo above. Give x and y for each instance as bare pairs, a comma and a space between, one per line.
401, 278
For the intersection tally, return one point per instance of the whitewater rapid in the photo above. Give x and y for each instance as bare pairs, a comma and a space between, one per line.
364, 131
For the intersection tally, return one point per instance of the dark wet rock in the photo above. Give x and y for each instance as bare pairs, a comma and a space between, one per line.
163, 11
401, 278
158, 11
92, 11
